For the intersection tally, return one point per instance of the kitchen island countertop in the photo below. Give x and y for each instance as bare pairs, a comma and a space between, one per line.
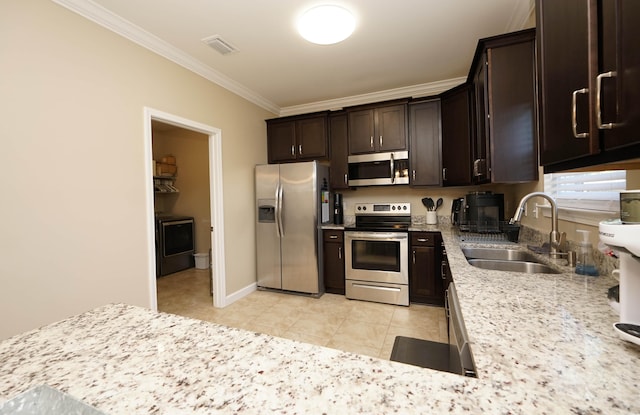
542, 343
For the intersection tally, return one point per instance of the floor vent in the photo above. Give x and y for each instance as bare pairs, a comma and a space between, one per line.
222, 46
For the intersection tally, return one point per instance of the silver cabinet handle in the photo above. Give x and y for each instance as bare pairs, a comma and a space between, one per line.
574, 112
601, 126
371, 142
346, 179
414, 256
380, 141
443, 270
422, 239
293, 150
444, 173
333, 236
339, 252
414, 175
479, 167
300, 149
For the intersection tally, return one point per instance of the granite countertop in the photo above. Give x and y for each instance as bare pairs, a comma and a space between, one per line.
542, 343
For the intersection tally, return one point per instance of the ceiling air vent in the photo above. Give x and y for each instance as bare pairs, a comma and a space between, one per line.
218, 43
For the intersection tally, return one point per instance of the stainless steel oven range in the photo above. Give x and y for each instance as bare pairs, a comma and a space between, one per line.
376, 253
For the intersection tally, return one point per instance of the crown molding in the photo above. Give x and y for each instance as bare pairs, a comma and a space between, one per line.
414, 91
105, 18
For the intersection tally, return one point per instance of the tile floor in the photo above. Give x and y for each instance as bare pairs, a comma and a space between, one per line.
332, 320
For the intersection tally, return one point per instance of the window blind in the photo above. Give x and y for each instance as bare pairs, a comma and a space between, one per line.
588, 191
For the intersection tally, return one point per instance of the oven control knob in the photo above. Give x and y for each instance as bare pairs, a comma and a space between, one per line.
359, 207
404, 207
393, 208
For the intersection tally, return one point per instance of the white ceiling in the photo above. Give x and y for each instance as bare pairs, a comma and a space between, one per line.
399, 48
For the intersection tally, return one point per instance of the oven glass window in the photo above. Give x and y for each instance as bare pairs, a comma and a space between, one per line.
376, 255
178, 237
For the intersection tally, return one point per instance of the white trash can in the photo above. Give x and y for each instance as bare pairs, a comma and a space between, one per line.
202, 261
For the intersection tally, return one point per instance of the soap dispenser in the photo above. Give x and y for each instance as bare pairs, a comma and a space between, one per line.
584, 261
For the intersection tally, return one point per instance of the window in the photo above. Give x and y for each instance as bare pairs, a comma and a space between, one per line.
598, 191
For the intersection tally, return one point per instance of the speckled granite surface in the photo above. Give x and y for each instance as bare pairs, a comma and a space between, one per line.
542, 344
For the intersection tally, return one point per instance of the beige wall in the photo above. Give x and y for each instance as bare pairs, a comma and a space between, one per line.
75, 219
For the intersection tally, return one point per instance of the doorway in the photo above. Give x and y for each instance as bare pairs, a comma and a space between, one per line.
164, 121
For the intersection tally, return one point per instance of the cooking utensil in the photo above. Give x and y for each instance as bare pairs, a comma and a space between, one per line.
438, 203
428, 203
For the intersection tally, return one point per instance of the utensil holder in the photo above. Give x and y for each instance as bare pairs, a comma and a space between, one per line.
432, 219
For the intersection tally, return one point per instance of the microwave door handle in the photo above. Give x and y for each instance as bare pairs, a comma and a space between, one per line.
393, 168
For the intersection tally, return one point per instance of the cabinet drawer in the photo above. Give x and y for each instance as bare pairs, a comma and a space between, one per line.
331, 235
424, 238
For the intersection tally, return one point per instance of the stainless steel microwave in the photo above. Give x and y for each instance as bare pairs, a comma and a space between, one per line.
379, 169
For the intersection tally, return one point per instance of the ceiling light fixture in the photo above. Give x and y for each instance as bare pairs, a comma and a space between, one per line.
326, 25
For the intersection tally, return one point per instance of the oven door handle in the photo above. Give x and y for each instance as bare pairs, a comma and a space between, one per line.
388, 236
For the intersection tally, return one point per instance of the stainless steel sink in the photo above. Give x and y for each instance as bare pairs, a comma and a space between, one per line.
513, 260
499, 254
513, 266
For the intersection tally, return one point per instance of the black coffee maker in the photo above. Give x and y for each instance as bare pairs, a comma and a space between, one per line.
457, 211
338, 216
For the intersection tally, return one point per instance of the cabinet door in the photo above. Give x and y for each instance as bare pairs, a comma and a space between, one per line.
339, 151
361, 131
456, 136
619, 83
512, 113
311, 138
333, 262
391, 131
424, 136
421, 274
425, 280
281, 141
481, 161
564, 72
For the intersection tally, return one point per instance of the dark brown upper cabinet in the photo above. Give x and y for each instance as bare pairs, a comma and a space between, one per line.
338, 137
504, 141
298, 138
424, 143
455, 108
589, 81
378, 128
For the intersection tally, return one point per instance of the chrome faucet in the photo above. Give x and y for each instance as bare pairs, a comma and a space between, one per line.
556, 239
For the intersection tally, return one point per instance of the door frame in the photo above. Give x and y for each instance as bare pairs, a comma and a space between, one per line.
215, 196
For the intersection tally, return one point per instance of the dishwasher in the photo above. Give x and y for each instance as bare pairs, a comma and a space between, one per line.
453, 357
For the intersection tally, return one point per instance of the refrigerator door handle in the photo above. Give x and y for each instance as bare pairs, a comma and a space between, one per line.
279, 211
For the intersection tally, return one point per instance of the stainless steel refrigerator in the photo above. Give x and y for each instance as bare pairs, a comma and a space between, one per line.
288, 209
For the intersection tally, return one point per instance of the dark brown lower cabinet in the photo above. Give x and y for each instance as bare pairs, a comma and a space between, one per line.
425, 280
333, 258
